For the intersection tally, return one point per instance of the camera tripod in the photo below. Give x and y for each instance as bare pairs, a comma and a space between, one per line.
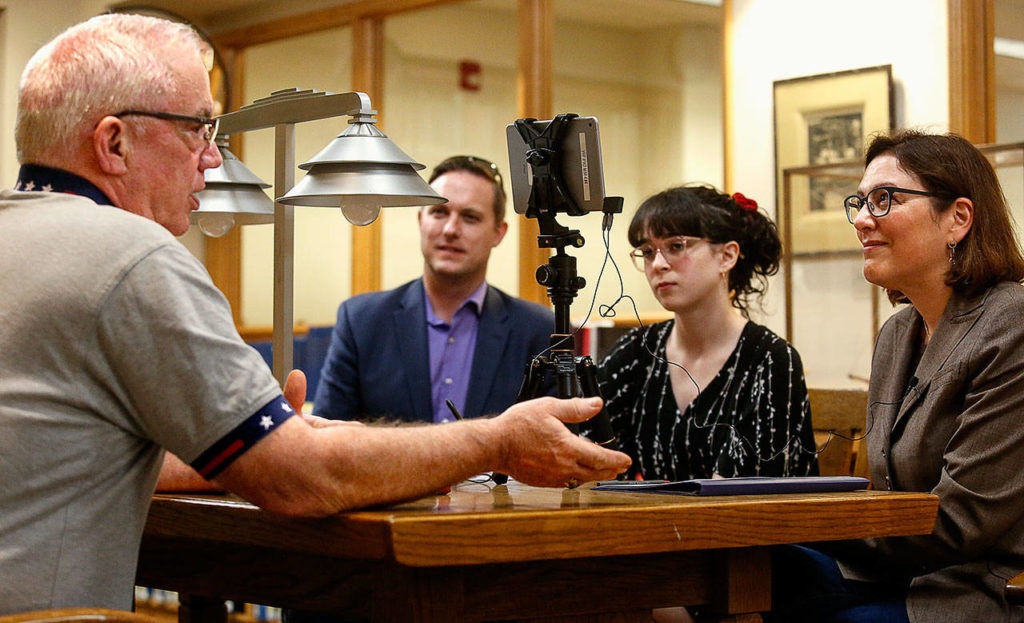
576, 375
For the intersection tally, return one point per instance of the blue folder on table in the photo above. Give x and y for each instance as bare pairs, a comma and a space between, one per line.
737, 486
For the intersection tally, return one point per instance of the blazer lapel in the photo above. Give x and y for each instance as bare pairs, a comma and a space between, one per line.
892, 394
956, 322
491, 336
411, 336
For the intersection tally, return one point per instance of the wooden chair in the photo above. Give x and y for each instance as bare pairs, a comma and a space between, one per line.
1015, 590
78, 615
843, 412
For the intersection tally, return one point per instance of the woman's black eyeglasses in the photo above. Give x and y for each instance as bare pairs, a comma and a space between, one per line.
878, 201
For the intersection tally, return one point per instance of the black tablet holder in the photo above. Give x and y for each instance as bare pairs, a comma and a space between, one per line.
576, 375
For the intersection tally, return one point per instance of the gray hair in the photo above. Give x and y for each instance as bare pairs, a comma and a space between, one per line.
99, 67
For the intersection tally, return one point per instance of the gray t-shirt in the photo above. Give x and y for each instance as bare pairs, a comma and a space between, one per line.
114, 343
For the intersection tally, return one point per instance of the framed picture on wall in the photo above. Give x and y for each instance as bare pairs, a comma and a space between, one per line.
821, 120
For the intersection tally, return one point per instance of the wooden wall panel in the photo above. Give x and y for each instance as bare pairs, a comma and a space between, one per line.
368, 77
533, 95
727, 73
318, 20
972, 70
224, 255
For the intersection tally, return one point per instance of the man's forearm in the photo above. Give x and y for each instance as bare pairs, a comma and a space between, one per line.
175, 475
299, 470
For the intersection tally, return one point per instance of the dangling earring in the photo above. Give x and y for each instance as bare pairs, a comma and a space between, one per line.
952, 250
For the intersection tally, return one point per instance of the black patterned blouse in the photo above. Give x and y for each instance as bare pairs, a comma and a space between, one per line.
753, 419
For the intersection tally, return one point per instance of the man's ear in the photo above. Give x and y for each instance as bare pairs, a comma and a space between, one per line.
500, 230
110, 144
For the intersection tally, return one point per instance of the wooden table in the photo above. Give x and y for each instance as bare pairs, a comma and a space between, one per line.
508, 552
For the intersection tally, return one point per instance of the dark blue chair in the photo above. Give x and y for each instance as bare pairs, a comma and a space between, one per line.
314, 352
309, 352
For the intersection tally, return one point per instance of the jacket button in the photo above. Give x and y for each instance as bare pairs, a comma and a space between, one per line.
888, 483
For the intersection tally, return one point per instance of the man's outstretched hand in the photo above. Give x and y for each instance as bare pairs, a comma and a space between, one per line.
541, 451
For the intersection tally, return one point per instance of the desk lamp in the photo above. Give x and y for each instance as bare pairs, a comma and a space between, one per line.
360, 171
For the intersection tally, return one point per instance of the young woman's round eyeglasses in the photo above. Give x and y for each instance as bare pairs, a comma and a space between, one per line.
878, 201
643, 256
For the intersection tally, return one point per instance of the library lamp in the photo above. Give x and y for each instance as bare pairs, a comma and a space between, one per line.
360, 172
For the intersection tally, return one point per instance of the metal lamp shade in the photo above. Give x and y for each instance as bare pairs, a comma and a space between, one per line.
246, 203
233, 196
361, 171
335, 184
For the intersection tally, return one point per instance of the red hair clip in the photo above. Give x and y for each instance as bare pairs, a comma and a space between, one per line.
744, 202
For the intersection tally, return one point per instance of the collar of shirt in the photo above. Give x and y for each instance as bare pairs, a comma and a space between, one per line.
47, 179
475, 301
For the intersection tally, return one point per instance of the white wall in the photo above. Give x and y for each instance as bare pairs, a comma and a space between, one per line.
657, 95
780, 39
1010, 129
650, 89
432, 118
22, 32
1009, 114
322, 235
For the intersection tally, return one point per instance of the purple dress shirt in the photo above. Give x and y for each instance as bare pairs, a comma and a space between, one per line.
451, 347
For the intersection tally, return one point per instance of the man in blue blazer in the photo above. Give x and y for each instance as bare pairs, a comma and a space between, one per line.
402, 354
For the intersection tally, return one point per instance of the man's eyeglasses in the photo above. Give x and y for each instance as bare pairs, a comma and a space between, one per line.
209, 125
879, 201
643, 256
471, 163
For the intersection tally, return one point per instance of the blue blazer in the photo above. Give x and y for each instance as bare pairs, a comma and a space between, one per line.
377, 364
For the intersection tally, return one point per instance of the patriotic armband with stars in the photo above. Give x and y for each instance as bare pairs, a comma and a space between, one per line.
244, 436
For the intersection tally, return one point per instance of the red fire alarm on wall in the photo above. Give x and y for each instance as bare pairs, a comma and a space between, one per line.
469, 75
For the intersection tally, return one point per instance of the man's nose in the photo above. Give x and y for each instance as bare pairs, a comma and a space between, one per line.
210, 158
451, 225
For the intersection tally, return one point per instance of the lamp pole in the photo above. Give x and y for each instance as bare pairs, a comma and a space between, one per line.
284, 252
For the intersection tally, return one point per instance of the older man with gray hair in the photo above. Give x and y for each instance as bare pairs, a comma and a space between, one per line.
115, 345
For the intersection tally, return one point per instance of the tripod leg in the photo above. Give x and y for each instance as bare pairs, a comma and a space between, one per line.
533, 380
600, 426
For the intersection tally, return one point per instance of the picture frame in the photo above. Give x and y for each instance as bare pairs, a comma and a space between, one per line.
820, 120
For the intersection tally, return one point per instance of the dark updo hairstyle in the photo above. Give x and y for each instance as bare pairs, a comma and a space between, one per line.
703, 212
949, 166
